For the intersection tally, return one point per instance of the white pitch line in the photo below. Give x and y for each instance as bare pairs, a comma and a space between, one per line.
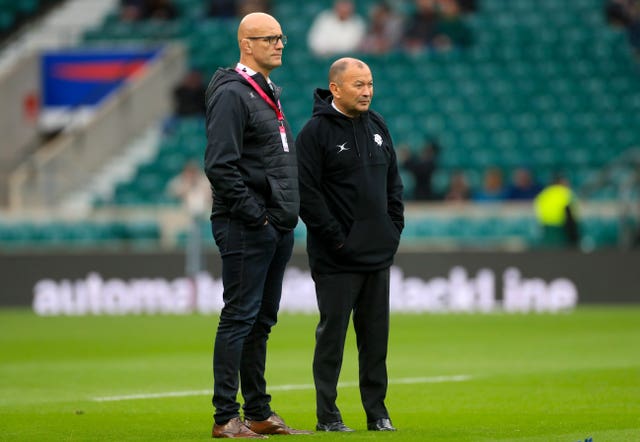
286, 387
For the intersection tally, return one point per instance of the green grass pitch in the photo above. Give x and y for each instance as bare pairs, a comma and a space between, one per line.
493, 377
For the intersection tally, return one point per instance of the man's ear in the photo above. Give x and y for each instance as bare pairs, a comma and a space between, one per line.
335, 89
245, 46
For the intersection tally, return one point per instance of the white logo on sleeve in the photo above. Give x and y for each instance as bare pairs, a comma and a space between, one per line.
377, 139
341, 147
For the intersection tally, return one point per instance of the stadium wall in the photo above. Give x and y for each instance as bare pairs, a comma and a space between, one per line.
148, 283
19, 89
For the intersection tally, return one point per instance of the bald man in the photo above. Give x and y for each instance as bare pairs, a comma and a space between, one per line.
351, 203
251, 165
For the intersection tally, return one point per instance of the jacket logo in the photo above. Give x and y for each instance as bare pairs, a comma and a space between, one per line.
341, 147
377, 139
252, 95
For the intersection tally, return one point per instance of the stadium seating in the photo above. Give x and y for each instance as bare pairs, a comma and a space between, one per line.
25, 234
547, 84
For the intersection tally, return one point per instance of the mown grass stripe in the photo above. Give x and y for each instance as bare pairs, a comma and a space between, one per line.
285, 387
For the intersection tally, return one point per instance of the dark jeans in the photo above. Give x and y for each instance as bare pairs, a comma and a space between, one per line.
367, 295
253, 265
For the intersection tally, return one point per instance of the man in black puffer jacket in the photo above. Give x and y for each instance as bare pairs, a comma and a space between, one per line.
251, 164
351, 203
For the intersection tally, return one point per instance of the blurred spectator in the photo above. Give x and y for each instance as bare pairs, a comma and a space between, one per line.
159, 10
135, 10
422, 168
188, 95
467, 6
450, 29
634, 33
625, 14
523, 186
458, 188
437, 24
131, 10
492, 187
421, 27
618, 13
235, 8
556, 212
192, 188
384, 30
336, 31
222, 8
249, 6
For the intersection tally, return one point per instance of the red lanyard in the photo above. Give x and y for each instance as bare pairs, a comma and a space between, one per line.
263, 94
265, 97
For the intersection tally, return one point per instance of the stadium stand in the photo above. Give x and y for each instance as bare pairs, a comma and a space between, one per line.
15, 13
78, 234
546, 84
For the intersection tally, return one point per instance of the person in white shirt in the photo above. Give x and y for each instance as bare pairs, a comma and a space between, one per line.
337, 31
193, 190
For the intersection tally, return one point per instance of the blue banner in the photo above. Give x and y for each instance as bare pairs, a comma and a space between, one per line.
79, 78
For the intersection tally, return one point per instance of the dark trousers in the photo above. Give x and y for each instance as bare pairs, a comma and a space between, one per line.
253, 265
367, 296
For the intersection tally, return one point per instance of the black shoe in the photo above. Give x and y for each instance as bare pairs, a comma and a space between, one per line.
382, 424
333, 426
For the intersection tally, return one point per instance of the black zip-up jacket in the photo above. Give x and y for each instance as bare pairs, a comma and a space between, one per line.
252, 175
350, 190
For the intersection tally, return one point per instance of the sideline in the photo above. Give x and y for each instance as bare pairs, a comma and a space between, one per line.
286, 387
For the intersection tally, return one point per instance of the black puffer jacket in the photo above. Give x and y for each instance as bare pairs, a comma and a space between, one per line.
350, 190
253, 177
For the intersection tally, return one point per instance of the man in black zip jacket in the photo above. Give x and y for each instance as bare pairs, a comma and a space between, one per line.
351, 203
250, 162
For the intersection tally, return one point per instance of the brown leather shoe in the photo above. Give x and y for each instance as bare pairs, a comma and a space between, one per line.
273, 425
234, 428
